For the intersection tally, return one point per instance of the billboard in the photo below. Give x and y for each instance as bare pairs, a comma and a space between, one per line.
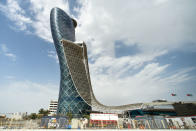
97, 116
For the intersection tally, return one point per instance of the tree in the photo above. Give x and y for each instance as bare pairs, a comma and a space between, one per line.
44, 112
41, 111
33, 116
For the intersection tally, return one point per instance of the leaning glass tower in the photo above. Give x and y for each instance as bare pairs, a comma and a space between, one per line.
76, 94
62, 28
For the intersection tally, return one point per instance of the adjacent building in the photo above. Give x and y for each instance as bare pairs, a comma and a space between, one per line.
53, 107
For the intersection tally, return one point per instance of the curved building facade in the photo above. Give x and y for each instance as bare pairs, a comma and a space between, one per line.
62, 28
76, 94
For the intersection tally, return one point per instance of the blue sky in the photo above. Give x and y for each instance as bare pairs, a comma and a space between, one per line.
138, 50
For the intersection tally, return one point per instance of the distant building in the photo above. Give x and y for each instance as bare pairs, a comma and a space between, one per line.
53, 107
185, 109
18, 115
2, 116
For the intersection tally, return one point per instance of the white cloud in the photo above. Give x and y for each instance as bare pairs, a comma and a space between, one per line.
156, 27
40, 22
9, 77
53, 55
27, 96
111, 65
150, 83
180, 76
41, 9
7, 53
154, 24
15, 13
167, 25
4, 48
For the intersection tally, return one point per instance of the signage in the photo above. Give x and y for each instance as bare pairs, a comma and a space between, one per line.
96, 116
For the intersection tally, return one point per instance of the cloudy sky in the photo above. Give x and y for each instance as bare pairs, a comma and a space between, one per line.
138, 51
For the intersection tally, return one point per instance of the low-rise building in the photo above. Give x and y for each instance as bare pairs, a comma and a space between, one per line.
18, 115
53, 107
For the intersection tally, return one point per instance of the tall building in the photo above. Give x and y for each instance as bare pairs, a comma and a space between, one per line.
70, 100
76, 94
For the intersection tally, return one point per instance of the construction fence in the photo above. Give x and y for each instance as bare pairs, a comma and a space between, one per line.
139, 122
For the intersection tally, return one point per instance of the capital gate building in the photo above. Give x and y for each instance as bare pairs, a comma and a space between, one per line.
76, 94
